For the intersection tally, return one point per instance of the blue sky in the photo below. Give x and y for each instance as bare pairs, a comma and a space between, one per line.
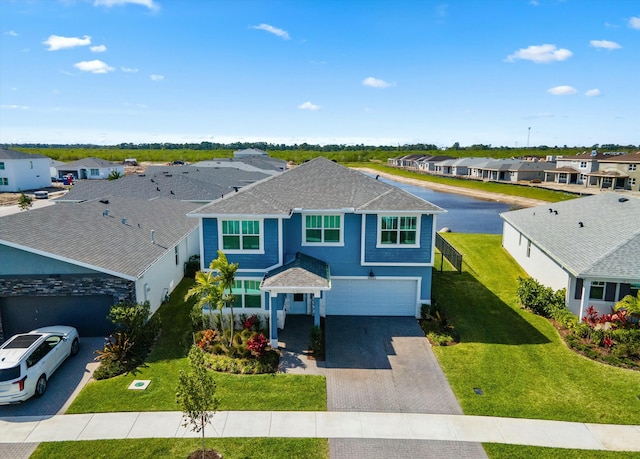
501, 72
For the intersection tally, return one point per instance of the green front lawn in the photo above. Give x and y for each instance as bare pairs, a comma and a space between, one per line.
236, 392
152, 448
517, 358
500, 451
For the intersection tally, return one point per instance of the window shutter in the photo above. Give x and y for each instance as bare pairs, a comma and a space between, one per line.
610, 291
578, 292
625, 289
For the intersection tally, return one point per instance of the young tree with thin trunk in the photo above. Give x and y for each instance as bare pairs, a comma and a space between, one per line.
196, 394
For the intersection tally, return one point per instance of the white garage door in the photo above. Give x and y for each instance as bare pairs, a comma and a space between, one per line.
375, 297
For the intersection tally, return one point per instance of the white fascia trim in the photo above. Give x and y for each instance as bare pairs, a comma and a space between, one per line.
433, 240
415, 278
399, 212
372, 263
68, 260
277, 291
240, 216
363, 228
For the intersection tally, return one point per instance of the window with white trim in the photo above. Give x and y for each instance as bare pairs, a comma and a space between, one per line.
4, 181
583, 164
398, 231
632, 181
247, 294
632, 167
322, 229
597, 290
95, 172
1, 166
241, 234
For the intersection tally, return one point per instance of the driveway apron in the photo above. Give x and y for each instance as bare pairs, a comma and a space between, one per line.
385, 364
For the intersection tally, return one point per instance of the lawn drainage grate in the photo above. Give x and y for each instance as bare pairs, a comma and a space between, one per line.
478, 391
139, 384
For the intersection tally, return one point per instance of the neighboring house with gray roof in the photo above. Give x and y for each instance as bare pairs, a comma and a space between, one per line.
23, 171
70, 263
89, 168
589, 246
262, 164
185, 183
322, 239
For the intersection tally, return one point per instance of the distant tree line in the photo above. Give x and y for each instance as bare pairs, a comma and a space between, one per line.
316, 148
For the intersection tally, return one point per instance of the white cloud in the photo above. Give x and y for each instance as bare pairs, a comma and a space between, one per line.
98, 49
11, 33
309, 106
156, 77
534, 3
56, 42
109, 3
274, 30
606, 44
376, 83
562, 90
128, 70
95, 66
634, 22
540, 54
15, 107
592, 93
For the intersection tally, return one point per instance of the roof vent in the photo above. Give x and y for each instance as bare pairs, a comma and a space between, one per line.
550, 210
581, 225
105, 213
142, 175
158, 188
623, 199
555, 212
153, 236
124, 221
104, 201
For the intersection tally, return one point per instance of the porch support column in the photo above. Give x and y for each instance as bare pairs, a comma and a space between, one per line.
273, 321
584, 301
316, 310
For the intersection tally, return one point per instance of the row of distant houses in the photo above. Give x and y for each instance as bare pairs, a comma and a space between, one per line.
21, 171
601, 170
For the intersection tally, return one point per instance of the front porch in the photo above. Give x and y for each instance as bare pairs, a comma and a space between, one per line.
295, 288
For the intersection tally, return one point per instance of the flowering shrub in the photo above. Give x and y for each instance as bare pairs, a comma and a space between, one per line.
250, 322
208, 339
257, 344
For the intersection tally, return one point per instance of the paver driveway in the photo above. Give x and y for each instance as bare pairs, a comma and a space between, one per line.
385, 364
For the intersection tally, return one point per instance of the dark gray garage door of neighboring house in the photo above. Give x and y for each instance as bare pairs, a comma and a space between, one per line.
87, 313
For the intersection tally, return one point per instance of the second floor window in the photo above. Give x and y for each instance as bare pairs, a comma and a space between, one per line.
322, 229
632, 167
398, 231
240, 235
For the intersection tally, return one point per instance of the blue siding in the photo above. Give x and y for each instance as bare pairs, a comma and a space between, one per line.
343, 260
398, 255
20, 262
246, 261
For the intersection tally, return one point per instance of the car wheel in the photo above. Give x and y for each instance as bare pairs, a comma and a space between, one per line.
75, 347
41, 386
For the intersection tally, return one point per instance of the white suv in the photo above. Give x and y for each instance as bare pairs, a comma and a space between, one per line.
28, 360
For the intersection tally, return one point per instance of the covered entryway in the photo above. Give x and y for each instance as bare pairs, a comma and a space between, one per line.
372, 297
88, 314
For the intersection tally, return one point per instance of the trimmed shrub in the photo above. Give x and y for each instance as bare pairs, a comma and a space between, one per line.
316, 342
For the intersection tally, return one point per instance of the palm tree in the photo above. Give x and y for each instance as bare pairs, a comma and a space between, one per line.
226, 280
207, 290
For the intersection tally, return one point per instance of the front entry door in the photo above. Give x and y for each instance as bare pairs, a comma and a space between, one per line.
298, 304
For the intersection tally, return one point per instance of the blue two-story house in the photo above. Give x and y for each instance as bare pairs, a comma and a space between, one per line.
322, 239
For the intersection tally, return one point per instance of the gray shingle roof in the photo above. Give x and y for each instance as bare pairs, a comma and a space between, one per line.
186, 183
303, 272
318, 184
88, 162
82, 234
606, 246
6, 153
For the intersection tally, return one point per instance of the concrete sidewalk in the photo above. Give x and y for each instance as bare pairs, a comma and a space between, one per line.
326, 424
